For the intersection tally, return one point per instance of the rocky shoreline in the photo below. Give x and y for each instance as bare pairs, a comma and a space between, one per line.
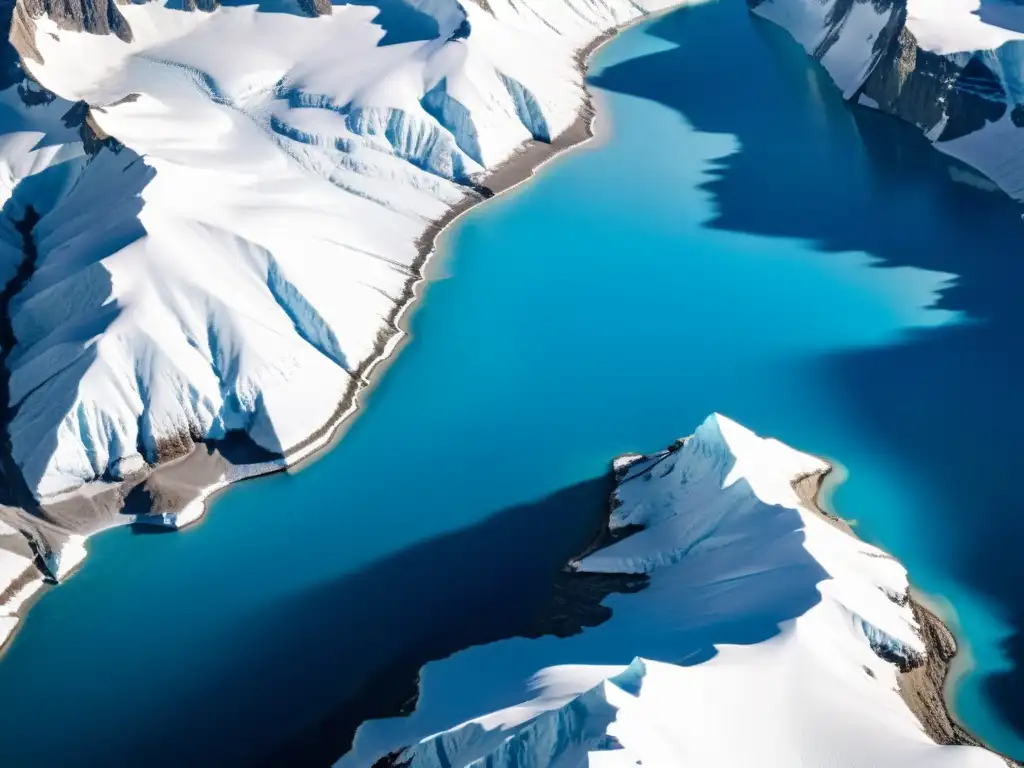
174, 493
959, 88
922, 684
577, 603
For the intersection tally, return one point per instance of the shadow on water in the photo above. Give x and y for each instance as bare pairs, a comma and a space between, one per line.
309, 658
946, 401
364, 637
694, 607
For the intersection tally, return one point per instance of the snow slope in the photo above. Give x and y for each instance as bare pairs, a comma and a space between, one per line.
767, 635
213, 216
237, 264
954, 68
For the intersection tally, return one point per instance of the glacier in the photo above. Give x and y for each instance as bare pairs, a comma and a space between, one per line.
953, 68
767, 634
215, 215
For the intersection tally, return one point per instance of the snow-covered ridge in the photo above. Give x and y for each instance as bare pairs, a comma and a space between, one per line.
954, 68
278, 169
767, 635
214, 214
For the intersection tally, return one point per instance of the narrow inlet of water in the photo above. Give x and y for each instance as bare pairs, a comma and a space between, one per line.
740, 240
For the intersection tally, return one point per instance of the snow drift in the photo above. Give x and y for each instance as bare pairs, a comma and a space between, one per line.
767, 635
954, 68
214, 214
236, 256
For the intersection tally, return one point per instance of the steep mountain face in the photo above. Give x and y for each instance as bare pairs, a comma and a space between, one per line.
954, 69
767, 634
214, 214
237, 257
99, 17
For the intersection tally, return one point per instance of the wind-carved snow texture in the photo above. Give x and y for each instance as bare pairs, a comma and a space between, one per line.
767, 635
232, 204
238, 261
954, 68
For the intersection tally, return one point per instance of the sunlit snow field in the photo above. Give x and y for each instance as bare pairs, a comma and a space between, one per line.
738, 241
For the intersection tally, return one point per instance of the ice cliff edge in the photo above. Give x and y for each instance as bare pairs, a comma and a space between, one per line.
953, 68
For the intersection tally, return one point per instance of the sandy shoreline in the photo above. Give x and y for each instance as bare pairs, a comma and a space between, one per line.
182, 489
577, 602
528, 160
923, 687
509, 175
177, 493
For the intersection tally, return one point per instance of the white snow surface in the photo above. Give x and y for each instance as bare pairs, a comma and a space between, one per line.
850, 59
996, 151
751, 644
13, 567
991, 31
953, 26
234, 266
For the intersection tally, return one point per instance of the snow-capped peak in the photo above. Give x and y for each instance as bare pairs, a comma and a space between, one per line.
767, 635
679, 495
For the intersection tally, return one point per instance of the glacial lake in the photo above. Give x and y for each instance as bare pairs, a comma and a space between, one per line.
739, 240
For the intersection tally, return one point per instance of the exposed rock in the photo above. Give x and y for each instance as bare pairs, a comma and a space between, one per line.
922, 676
200, 5
922, 687
94, 138
925, 88
99, 17
23, 34
317, 7
34, 96
950, 88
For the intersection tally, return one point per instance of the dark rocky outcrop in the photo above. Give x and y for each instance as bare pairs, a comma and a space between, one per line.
93, 137
924, 88
98, 17
923, 686
948, 96
316, 7
922, 678
34, 96
200, 5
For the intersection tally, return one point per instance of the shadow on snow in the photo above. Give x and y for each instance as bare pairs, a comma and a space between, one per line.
947, 401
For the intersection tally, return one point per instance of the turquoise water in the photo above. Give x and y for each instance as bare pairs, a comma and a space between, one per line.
739, 241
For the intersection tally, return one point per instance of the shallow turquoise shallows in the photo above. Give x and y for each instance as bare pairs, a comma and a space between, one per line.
738, 240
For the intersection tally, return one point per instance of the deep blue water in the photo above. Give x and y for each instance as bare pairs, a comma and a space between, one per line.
740, 241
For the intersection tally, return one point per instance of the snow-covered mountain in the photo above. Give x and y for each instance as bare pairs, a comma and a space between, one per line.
215, 212
241, 260
954, 68
767, 634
